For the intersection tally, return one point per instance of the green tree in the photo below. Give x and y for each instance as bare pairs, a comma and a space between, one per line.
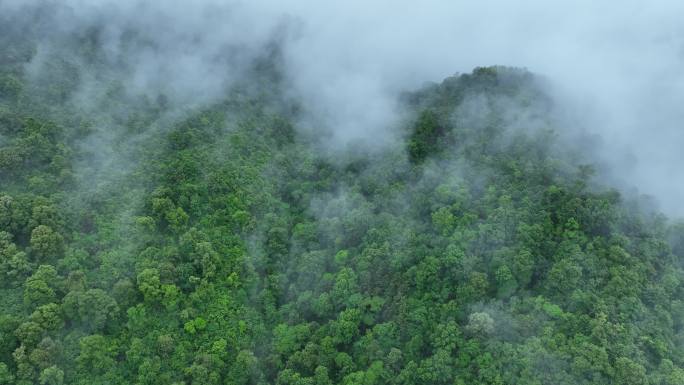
94, 309
46, 244
149, 284
51, 376
6, 377
96, 355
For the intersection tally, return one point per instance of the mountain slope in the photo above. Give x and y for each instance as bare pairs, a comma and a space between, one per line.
142, 242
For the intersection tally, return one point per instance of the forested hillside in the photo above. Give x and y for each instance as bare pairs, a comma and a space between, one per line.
143, 241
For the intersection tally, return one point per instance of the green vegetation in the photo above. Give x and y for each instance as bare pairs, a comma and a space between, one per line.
141, 243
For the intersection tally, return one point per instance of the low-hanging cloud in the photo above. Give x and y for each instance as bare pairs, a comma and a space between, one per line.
616, 66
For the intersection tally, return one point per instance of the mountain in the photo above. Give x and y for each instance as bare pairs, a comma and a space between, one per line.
148, 240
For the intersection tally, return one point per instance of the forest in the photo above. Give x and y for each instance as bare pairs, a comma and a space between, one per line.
145, 242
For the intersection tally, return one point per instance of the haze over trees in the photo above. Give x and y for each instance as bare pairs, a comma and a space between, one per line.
144, 240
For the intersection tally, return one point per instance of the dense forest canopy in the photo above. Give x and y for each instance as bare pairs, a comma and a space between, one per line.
147, 239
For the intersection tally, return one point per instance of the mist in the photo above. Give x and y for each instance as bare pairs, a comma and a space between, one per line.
294, 192
615, 68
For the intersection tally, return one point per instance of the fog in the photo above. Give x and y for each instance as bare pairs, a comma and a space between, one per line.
615, 67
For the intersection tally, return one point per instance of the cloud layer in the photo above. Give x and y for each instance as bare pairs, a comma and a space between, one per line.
616, 66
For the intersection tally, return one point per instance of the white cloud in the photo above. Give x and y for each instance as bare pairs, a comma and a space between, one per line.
620, 63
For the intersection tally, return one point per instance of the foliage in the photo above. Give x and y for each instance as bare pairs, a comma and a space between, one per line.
147, 243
